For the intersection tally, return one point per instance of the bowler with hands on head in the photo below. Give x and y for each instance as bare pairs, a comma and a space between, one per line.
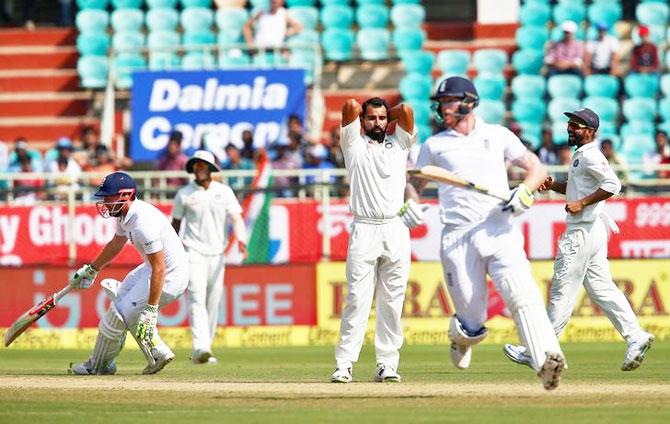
582, 249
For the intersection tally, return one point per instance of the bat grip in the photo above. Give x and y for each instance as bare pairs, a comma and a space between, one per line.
65, 290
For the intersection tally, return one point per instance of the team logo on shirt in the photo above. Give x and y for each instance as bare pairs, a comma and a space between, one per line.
387, 143
575, 163
487, 145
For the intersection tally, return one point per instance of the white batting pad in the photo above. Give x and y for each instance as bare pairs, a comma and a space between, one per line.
111, 335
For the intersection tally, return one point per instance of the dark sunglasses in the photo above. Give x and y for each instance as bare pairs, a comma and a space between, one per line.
578, 125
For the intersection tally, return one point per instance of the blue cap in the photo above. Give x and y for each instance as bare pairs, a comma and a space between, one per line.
602, 26
116, 183
456, 87
64, 143
585, 116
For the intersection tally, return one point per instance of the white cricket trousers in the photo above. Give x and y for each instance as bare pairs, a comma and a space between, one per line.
205, 289
582, 258
378, 261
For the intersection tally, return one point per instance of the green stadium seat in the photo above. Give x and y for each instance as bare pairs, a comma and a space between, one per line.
641, 85
127, 20
372, 16
373, 43
300, 3
664, 109
160, 59
607, 108
560, 105
127, 4
159, 4
308, 16
93, 71
652, 13
529, 86
232, 19
537, 14
198, 38
454, 62
531, 132
415, 87
408, 39
337, 16
528, 61
408, 15
569, 12
638, 128
337, 44
492, 111
234, 59
196, 19
529, 110
490, 86
125, 64
92, 4
606, 12
418, 62
532, 37
196, 3
92, 20
127, 40
424, 132
93, 43
490, 60
639, 109
195, 61
422, 111
162, 19
665, 85
564, 86
602, 85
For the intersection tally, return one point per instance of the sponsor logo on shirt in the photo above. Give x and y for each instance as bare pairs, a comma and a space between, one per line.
575, 163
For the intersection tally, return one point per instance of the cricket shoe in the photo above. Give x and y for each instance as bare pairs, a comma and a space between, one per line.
86, 368
636, 352
460, 355
517, 354
341, 375
551, 370
386, 374
202, 357
162, 356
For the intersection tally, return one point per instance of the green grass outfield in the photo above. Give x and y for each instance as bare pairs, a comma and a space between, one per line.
290, 385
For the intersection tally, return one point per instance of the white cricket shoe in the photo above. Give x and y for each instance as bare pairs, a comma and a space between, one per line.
636, 352
341, 375
162, 356
517, 354
460, 355
550, 374
202, 357
386, 374
86, 368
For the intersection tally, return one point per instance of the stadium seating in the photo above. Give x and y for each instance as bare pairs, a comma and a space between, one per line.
94, 43
422, 111
162, 19
127, 4
198, 38
560, 105
601, 85
528, 61
92, 20
337, 44
529, 86
234, 59
415, 87
537, 14
197, 61
608, 12
408, 39
372, 16
419, 62
652, 13
92, 4
93, 71
306, 15
159, 59
125, 64
490, 60
559, 132
196, 19
664, 109
196, 3
233, 19
637, 128
569, 11
453, 62
532, 133
127, 40
337, 17
531, 110
490, 86
564, 86
127, 20
407, 15
641, 85
531, 37
665, 84
424, 132
639, 109
491, 111
607, 108
373, 43
167, 4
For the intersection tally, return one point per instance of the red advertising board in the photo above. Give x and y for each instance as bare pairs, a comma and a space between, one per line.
253, 296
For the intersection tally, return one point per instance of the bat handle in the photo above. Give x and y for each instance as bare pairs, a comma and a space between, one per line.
65, 290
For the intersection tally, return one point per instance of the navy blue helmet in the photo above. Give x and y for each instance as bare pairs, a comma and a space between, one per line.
115, 184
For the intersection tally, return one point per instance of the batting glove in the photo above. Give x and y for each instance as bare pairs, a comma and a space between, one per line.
412, 213
146, 324
520, 201
84, 277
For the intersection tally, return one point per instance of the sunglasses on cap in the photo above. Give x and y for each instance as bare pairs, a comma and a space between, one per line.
577, 124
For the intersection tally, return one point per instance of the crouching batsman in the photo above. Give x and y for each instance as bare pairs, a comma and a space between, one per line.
155, 283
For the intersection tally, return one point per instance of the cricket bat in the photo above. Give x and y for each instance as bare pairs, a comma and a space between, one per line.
24, 322
441, 175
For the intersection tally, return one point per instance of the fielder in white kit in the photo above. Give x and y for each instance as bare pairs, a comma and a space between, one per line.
479, 236
157, 282
203, 206
582, 249
378, 258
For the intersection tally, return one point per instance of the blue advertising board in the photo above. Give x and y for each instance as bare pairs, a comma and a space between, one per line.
214, 106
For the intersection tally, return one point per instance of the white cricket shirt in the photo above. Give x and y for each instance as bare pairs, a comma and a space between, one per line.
377, 171
478, 157
589, 171
204, 214
150, 231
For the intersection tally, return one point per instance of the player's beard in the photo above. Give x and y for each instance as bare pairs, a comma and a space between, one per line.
574, 139
376, 133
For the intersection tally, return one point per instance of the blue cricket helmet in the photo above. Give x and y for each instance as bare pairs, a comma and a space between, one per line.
116, 183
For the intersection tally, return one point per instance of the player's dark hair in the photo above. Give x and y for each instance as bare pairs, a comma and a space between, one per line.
374, 102
606, 141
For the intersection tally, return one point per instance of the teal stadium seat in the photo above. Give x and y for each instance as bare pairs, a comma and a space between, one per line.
196, 3
305, 39
194, 61
92, 4
162, 19
234, 59
569, 12
127, 40
158, 4
607, 108
537, 14
529, 110
492, 111
233, 19
602, 85
160, 55
415, 87
490, 86
422, 111
559, 132
306, 60
560, 105
418, 62
564, 86
227, 39
373, 43
372, 16
308, 16
652, 13
92, 20
529, 86
528, 61
531, 37
378, 2
664, 109
633, 149
93, 71
337, 16
605, 11
127, 4
638, 128
664, 126
641, 85
490, 60
127, 20
408, 15
338, 44
639, 109
300, 3
453, 62
196, 19
406, 1
334, 2
424, 132
258, 5
531, 132
408, 39
125, 64
93, 43
656, 34
266, 59
197, 38
665, 85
